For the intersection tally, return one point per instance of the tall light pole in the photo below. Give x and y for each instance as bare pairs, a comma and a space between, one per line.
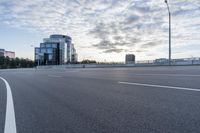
169, 32
38, 62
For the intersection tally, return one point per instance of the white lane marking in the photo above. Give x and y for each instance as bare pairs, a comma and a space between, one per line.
54, 76
160, 86
184, 75
10, 123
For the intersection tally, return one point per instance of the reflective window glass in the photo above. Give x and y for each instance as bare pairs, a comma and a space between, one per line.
50, 50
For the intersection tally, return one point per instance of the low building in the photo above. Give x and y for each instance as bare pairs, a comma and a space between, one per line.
130, 59
5, 53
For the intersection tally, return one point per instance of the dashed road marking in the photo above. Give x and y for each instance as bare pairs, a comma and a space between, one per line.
54, 76
179, 75
160, 86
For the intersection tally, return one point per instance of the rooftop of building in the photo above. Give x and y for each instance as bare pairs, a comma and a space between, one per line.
60, 36
2, 49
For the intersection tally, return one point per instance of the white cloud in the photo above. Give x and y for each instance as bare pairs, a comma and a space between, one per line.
107, 26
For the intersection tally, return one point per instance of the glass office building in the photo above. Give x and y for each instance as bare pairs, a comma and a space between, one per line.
52, 51
68, 42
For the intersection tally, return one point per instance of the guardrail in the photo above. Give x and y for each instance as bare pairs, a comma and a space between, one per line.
158, 62
181, 61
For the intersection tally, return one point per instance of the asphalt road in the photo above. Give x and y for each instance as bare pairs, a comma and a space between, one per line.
118, 100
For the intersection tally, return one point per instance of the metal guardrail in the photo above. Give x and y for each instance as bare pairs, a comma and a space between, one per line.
181, 61
158, 62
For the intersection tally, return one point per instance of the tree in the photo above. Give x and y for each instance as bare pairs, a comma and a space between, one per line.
6, 62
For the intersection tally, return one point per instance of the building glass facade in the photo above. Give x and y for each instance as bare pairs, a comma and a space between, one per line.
52, 51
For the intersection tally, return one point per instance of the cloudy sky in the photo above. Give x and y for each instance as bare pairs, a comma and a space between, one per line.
104, 30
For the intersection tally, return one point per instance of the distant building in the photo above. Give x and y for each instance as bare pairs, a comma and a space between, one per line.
74, 55
2, 52
9, 54
130, 59
52, 51
161, 61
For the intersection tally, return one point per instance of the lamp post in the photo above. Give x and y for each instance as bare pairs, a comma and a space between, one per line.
38, 62
169, 32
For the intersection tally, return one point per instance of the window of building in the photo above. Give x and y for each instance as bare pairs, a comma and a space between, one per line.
54, 45
37, 50
36, 57
50, 50
48, 45
43, 50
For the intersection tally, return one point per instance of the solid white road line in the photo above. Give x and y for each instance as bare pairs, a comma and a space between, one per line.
160, 86
10, 123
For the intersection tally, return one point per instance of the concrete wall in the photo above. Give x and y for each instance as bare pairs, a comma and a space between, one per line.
85, 66
182, 63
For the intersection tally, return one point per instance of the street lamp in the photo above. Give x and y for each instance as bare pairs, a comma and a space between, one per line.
38, 62
169, 32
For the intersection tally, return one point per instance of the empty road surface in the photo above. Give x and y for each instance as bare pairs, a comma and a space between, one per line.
100, 100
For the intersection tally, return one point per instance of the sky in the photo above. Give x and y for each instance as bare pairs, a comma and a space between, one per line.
103, 30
